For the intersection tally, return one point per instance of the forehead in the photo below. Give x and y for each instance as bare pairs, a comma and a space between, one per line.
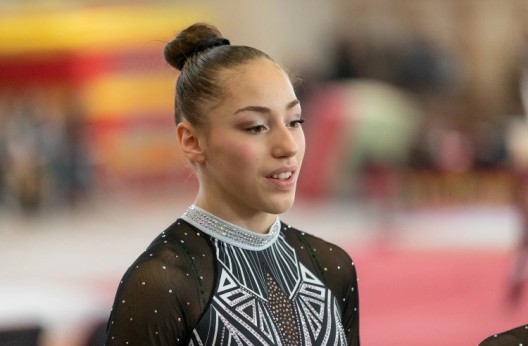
259, 80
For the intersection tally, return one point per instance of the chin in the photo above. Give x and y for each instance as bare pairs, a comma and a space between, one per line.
281, 206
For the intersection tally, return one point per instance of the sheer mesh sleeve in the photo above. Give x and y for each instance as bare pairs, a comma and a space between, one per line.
512, 337
164, 292
337, 270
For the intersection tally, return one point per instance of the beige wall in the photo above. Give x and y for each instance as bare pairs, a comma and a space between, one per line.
291, 31
484, 35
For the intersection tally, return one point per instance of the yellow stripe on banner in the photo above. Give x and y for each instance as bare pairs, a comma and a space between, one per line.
120, 95
94, 28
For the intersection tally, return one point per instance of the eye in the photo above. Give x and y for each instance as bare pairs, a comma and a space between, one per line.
256, 129
295, 123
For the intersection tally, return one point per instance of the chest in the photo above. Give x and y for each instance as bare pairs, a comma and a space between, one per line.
267, 298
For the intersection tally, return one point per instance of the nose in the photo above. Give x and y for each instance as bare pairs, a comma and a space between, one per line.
285, 142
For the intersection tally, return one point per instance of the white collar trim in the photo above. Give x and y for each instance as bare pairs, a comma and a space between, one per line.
230, 233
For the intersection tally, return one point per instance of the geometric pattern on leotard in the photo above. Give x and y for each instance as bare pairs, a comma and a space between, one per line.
319, 314
247, 269
239, 312
235, 317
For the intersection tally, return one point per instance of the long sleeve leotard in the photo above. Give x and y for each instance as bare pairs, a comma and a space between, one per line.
204, 281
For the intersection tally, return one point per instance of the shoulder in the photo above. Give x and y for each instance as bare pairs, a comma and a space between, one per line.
178, 246
172, 260
330, 260
320, 248
165, 289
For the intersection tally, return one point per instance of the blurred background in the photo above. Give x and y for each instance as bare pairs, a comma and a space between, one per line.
416, 161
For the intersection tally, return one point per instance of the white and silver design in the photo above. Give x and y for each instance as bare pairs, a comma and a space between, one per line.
228, 232
239, 313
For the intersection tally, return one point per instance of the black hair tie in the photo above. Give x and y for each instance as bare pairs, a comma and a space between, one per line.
202, 46
210, 43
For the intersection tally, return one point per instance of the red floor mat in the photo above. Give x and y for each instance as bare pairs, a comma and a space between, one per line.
419, 298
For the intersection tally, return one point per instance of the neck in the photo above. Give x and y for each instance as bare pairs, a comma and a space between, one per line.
258, 221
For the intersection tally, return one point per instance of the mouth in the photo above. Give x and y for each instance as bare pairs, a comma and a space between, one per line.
283, 179
282, 175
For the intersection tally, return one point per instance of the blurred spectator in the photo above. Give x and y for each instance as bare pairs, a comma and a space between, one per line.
453, 151
347, 59
3, 150
25, 160
517, 145
43, 156
518, 152
489, 144
424, 68
72, 166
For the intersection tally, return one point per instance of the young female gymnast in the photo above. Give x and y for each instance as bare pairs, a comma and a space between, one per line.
228, 271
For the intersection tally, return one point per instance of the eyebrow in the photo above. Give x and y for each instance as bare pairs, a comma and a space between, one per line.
261, 109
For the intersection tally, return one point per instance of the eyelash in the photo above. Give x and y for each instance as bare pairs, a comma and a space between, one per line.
260, 128
296, 123
256, 129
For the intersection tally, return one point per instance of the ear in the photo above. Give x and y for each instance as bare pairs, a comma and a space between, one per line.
190, 142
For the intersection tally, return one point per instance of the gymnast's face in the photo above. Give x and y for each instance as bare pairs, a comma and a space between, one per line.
253, 143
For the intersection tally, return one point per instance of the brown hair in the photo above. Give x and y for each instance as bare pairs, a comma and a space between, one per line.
201, 53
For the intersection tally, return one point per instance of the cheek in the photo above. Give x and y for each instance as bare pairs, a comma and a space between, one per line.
238, 155
301, 144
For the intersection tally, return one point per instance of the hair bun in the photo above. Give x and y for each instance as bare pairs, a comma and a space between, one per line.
194, 39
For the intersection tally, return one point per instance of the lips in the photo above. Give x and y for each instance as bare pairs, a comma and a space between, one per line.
283, 179
283, 173
282, 176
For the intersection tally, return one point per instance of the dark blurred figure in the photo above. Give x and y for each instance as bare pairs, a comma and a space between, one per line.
517, 144
347, 58
73, 167
488, 138
518, 152
97, 335
3, 151
424, 68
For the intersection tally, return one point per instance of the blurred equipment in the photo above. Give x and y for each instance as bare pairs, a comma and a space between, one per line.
20, 336
357, 129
